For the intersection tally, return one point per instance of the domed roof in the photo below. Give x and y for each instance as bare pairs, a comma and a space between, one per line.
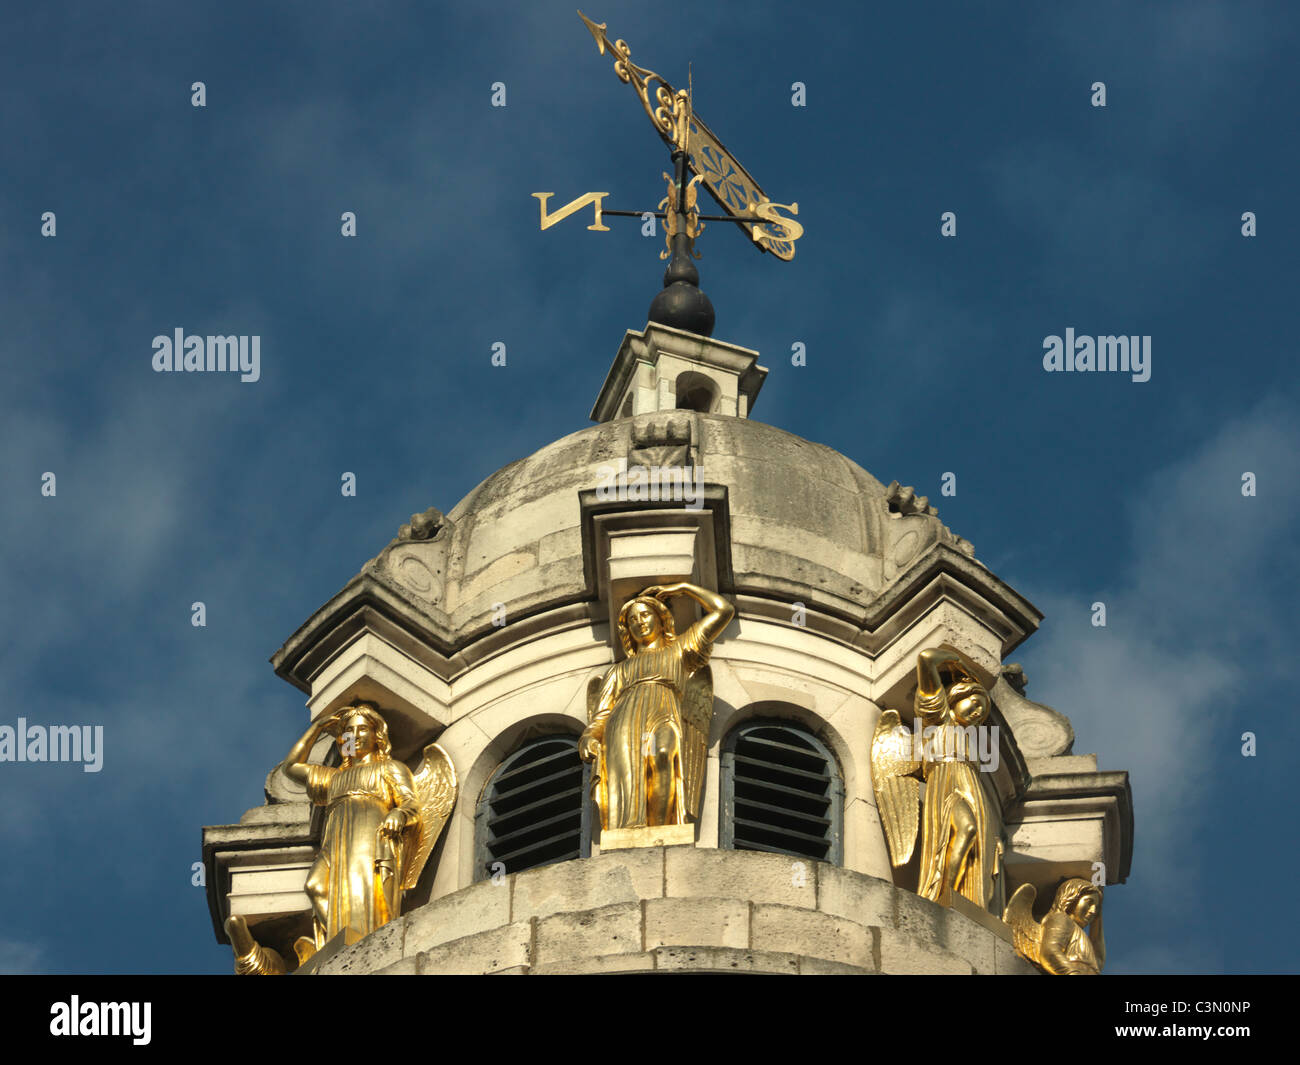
806, 523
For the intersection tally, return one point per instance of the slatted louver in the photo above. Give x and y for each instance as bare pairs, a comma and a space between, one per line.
781, 793
534, 810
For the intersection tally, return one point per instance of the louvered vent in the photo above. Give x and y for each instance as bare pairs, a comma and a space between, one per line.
781, 793
534, 810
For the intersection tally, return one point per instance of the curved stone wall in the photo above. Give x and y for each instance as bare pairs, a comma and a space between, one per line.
683, 909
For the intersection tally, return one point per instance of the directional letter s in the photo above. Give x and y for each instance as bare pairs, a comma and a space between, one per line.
786, 229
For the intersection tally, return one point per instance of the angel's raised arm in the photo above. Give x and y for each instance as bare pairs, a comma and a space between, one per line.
929, 680
295, 762
718, 612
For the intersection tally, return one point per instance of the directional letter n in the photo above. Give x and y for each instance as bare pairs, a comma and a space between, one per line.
561, 213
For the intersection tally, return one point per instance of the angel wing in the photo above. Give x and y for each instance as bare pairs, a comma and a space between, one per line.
1026, 933
435, 788
697, 718
898, 792
593, 697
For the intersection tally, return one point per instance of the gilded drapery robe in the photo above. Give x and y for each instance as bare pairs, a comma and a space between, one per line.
1066, 949
356, 879
639, 695
951, 775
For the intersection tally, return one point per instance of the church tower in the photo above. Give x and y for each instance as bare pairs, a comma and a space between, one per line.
681, 691
484, 628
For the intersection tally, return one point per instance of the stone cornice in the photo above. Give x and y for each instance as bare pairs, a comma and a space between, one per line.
368, 603
1055, 794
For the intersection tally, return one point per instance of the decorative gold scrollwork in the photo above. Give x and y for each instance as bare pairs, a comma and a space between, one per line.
673, 222
663, 109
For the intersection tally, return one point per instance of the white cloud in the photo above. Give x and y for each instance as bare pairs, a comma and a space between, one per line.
1191, 621
19, 959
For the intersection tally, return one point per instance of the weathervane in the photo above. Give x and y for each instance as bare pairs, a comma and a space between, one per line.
698, 156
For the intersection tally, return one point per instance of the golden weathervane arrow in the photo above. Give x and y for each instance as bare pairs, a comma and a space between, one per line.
695, 150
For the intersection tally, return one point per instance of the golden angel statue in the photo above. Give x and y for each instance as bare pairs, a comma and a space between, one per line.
381, 825
648, 717
1058, 944
961, 846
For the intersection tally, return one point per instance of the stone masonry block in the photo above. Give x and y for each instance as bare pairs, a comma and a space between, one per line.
477, 908
487, 952
585, 884
855, 896
945, 929
380, 949
605, 963
793, 930
902, 955
699, 922
724, 960
821, 967
752, 875
576, 936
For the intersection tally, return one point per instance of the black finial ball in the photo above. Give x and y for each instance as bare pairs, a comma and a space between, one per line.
681, 304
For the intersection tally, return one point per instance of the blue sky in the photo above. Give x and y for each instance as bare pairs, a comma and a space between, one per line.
924, 355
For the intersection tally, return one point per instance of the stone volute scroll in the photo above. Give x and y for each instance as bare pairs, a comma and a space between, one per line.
381, 823
648, 720
960, 829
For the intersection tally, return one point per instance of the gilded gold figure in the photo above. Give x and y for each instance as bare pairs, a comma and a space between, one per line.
381, 824
1069, 940
251, 958
676, 222
372, 816
960, 837
648, 729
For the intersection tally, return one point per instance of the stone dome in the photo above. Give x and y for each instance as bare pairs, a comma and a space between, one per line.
806, 524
